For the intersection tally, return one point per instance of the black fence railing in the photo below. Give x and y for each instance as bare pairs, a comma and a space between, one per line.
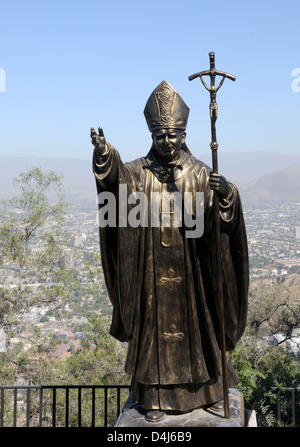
284, 404
100, 405
61, 405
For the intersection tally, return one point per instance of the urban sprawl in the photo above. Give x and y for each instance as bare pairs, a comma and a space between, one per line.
273, 231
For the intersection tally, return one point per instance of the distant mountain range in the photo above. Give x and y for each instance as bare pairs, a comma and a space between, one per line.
258, 175
283, 185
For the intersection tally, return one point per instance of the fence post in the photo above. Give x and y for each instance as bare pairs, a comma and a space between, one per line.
54, 407
28, 408
41, 407
79, 406
15, 407
93, 406
67, 407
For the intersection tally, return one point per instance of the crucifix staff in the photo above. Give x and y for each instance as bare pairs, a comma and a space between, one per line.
213, 107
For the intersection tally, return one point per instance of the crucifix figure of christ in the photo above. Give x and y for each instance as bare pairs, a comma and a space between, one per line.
162, 283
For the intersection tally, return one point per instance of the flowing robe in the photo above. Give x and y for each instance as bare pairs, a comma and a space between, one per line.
163, 285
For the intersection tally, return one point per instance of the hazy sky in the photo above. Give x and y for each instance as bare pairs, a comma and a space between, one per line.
68, 65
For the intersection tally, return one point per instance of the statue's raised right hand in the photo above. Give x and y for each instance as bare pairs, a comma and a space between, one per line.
98, 141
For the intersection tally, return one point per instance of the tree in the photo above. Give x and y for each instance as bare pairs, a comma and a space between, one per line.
274, 307
30, 245
262, 358
35, 273
32, 241
100, 359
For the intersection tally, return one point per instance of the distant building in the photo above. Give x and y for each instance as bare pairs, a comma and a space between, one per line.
297, 232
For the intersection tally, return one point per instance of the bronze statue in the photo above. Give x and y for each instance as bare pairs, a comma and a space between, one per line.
161, 280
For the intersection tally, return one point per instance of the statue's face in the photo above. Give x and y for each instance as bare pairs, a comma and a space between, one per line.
168, 143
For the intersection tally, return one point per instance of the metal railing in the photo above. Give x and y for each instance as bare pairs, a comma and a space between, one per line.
285, 404
61, 405
100, 405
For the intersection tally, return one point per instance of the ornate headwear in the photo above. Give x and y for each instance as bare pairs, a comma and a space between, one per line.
166, 109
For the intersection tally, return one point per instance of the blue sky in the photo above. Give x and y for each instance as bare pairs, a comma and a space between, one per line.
70, 65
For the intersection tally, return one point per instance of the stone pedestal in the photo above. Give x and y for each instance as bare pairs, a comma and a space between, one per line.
133, 415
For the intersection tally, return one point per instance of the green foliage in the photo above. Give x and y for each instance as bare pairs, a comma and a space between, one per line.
31, 237
101, 358
260, 364
100, 361
32, 241
248, 375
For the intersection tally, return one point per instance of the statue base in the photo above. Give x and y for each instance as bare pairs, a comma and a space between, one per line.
133, 415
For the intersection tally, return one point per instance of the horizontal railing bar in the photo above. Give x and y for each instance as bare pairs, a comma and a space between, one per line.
25, 387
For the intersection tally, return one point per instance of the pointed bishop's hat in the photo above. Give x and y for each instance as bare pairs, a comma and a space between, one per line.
166, 109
